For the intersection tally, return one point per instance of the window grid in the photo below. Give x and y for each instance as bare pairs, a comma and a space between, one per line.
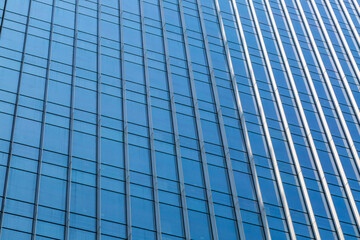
188, 119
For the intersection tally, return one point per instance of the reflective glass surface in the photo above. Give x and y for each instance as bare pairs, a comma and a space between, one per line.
179, 119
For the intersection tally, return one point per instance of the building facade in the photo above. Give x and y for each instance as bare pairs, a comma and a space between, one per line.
179, 119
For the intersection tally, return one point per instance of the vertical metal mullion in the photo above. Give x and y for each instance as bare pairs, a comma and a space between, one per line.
214, 231
7, 173
175, 126
233, 190
43, 124
338, 163
356, 5
350, 22
266, 130
242, 122
336, 59
3, 17
283, 117
151, 128
71, 126
98, 125
251, 157
285, 123
305, 123
125, 126
343, 80
321, 113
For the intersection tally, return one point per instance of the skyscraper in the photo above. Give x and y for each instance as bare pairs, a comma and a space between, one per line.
179, 119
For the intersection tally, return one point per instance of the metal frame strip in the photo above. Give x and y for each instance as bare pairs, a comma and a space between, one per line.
337, 108
319, 108
283, 116
336, 59
305, 123
125, 126
3, 17
98, 124
303, 119
230, 174
350, 21
7, 173
265, 126
356, 5
241, 114
175, 126
43, 124
71, 126
251, 158
342, 76
221, 123
151, 128
214, 231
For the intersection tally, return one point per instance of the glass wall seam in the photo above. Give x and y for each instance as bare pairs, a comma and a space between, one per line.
3, 17
306, 125
267, 134
150, 124
303, 119
71, 126
337, 108
357, 6
284, 118
322, 116
42, 131
98, 124
175, 126
241, 115
252, 77
12, 136
125, 125
179, 119
352, 27
221, 121
210, 203
337, 62
350, 21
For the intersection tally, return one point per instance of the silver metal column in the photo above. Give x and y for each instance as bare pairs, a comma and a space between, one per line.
151, 128
336, 59
125, 125
221, 125
251, 159
3, 17
283, 116
71, 126
43, 124
175, 126
305, 123
349, 21
198, 127
8, 165
265, 126
301, 111
98, 124
337, 108
241, 114
356, 5
240, 111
